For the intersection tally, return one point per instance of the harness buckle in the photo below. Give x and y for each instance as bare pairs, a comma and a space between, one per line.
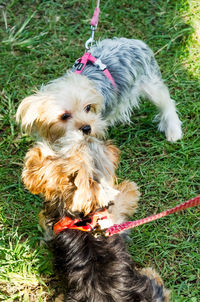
100, 65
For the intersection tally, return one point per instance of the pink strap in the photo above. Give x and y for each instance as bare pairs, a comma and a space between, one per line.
108, 75
83, 60
88, 57
95, 18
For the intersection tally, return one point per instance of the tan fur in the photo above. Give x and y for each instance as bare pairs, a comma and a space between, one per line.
152, 274
125, 203
113, 153
46, 176
70, 169
58, 178
71, 178
60, 298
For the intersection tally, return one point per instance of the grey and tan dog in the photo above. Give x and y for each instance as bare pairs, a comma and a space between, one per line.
77, 181
70, 102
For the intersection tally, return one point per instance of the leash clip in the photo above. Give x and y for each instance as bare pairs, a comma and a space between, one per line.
89, 42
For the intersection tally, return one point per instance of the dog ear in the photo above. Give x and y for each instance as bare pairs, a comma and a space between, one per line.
32, 112
39, 114
45, 174
33, 174
27, 112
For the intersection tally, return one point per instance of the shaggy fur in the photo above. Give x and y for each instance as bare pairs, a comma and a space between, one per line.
76, 181
100, 270
75, 171
74, 100
81, 177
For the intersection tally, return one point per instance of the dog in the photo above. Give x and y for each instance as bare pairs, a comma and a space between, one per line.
108, 86
76, 177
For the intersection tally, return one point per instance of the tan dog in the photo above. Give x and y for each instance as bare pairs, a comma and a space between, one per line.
77, 178
81, 175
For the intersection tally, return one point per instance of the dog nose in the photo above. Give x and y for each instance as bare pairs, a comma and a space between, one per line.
86, 129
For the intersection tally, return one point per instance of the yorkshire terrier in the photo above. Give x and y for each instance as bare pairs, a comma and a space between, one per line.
77, 178
62, 105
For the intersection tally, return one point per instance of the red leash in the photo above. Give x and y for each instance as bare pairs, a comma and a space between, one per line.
117, 228
90, 223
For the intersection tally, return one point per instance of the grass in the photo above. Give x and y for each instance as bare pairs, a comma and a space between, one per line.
40, 40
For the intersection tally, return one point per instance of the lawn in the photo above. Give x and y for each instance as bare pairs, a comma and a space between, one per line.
40, 41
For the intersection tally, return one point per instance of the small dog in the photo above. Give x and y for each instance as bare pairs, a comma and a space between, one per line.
63, 105
77, 178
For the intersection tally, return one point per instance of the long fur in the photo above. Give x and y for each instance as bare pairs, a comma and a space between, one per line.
136, 74
100, 270
82, 176
75, 171
76, 181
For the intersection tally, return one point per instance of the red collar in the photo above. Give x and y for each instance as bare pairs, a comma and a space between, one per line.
86, 224
81, 63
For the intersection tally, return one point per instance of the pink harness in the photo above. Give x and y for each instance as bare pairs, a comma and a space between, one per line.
87, 57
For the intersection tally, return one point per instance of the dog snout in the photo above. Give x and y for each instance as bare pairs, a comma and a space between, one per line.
86, 129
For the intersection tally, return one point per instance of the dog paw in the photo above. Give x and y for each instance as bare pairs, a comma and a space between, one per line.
173, 133
152, 274
128, 198
125, 203
130, 189
171, 126
60, 298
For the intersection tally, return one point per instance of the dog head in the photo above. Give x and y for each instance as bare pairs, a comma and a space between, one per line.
70, 103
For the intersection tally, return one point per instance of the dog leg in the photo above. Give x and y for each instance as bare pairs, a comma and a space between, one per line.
125, 203
156, 91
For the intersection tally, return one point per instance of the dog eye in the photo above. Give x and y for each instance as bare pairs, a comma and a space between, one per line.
87, 108
65, 116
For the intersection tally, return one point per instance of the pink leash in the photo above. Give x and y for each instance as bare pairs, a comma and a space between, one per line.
117, 228
93, 24
95, 18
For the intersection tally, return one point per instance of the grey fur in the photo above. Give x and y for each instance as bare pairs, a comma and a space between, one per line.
128, 61
136, 73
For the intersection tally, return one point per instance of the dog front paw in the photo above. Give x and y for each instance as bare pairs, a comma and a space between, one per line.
171, 126
173, 133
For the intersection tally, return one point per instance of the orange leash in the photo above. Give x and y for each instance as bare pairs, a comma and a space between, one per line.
117, 228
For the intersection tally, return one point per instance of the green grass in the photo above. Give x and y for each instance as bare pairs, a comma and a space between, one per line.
40, 41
